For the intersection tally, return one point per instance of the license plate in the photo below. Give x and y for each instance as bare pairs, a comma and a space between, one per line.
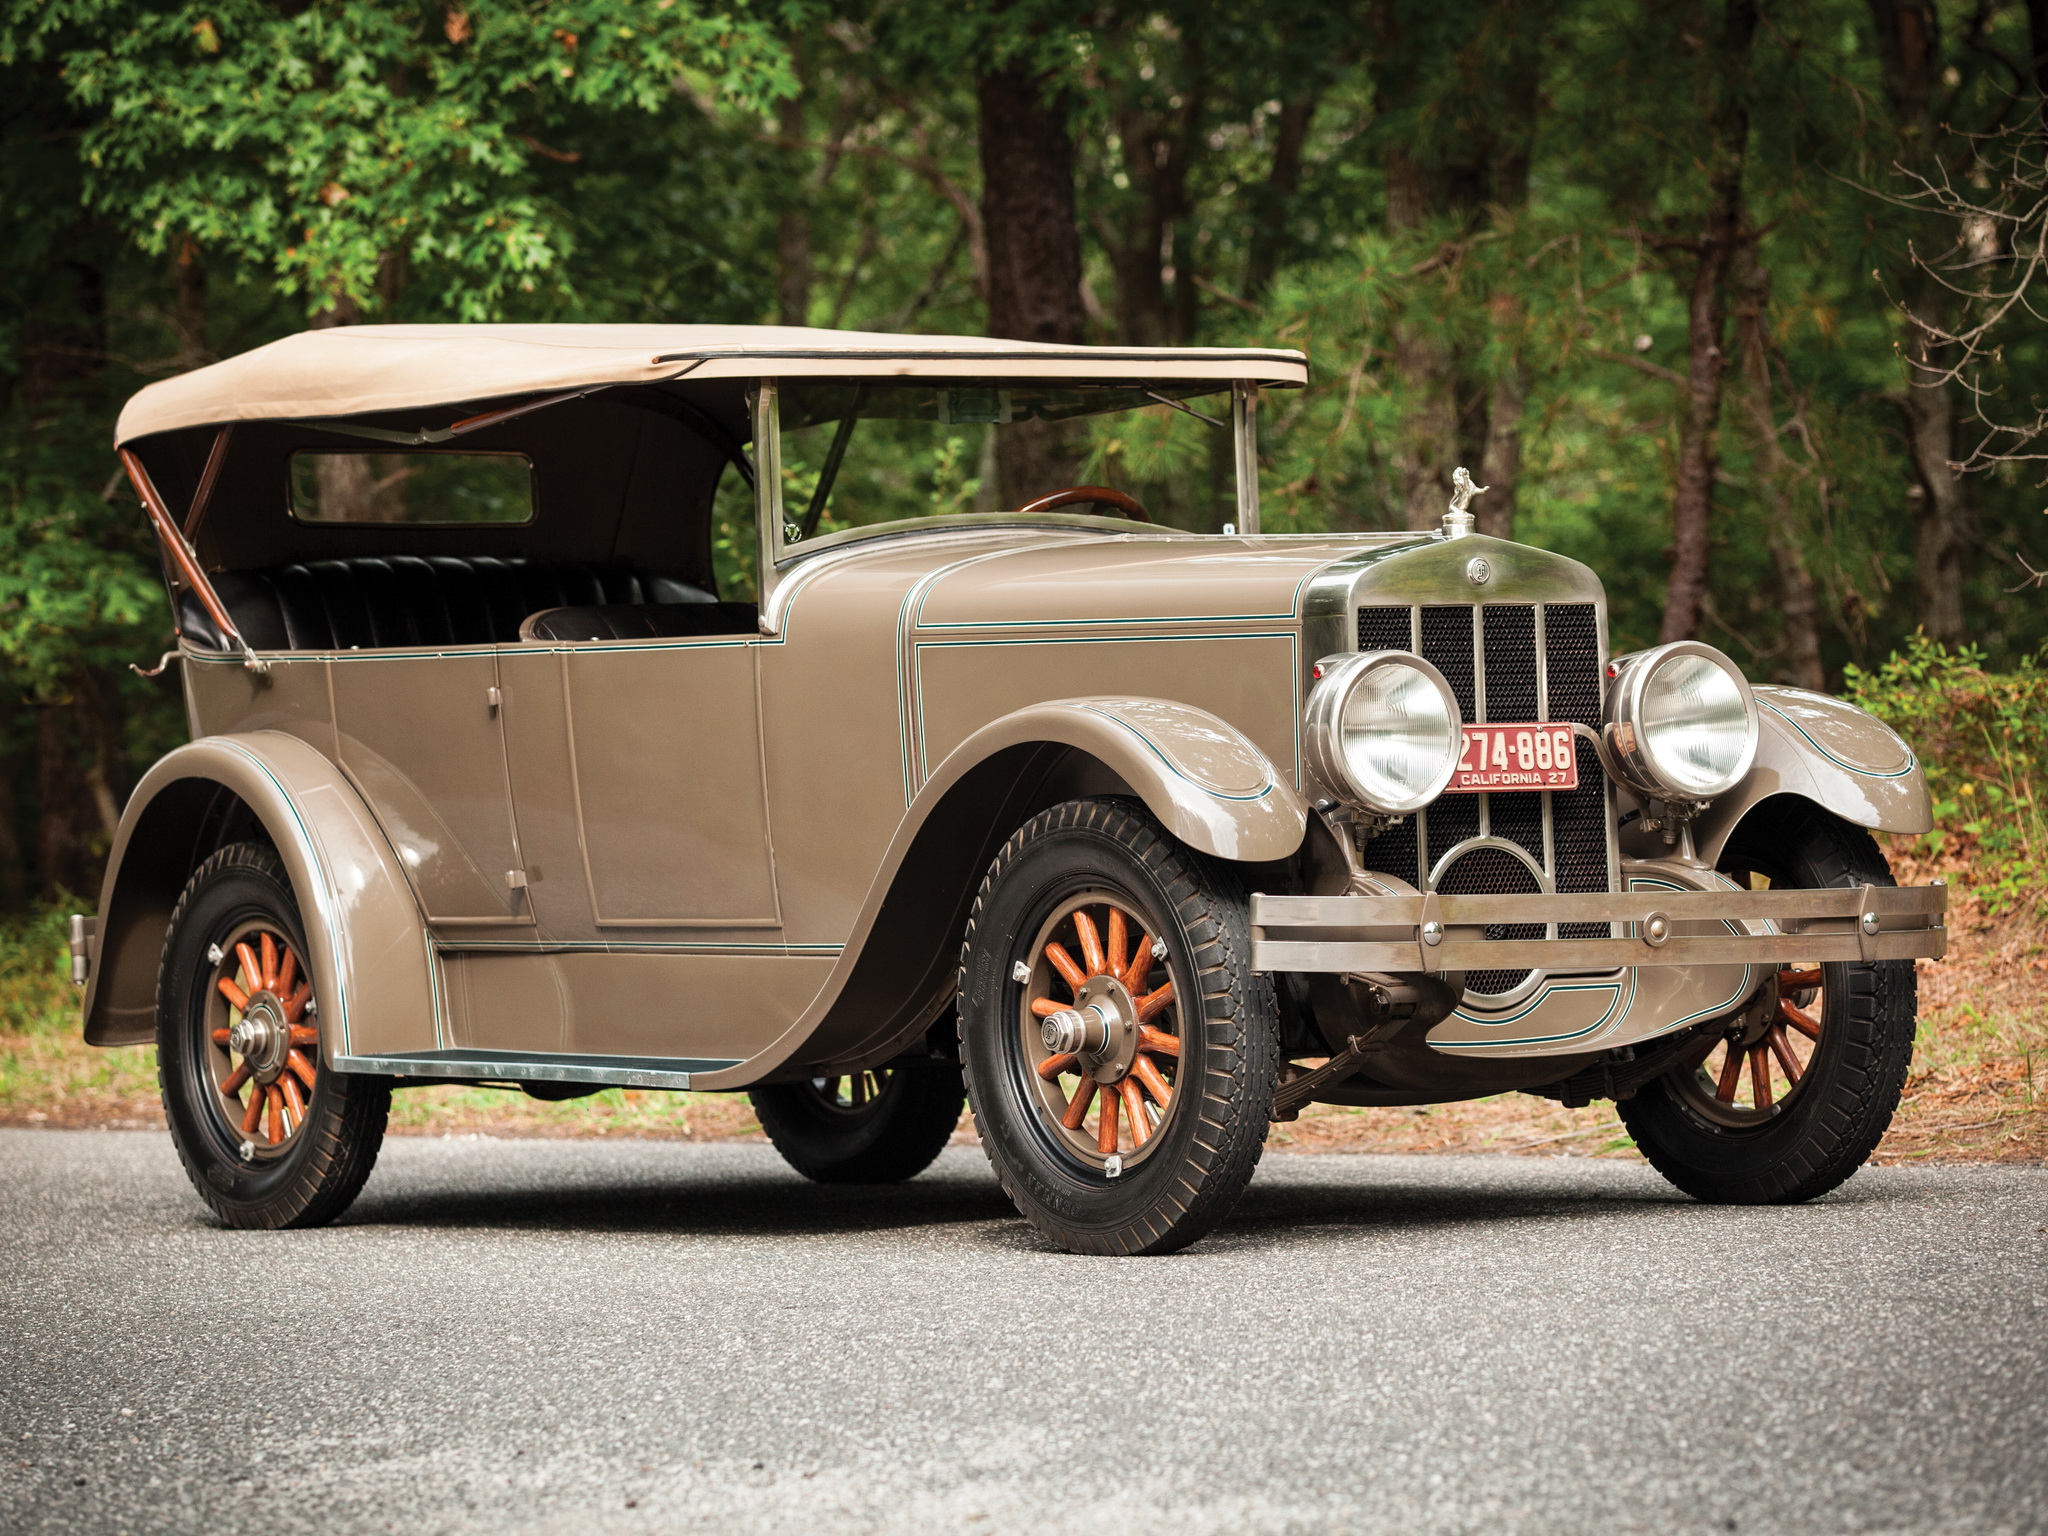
1538, 756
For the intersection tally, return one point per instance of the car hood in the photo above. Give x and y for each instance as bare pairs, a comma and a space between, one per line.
1063, 580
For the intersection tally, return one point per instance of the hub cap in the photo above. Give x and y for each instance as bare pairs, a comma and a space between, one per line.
1099, 1027
265, 1054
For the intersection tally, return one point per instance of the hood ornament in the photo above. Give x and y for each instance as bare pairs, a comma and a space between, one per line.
1459, 521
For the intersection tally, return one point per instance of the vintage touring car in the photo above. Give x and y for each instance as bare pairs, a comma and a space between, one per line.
776, 710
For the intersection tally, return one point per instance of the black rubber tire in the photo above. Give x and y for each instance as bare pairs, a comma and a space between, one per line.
1211, 1144
1853, 1082
893, 1137
327, 1162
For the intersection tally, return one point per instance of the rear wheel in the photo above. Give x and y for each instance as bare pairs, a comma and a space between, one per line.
1793, 1097
1119, 1050
879, 1126
268, 1135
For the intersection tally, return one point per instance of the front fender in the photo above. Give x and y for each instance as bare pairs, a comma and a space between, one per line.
1207, 784
367, 946
1832, 753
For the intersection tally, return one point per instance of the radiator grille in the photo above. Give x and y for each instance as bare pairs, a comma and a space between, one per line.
1489, 655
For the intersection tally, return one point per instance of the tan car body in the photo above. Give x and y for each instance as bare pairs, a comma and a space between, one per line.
734, 858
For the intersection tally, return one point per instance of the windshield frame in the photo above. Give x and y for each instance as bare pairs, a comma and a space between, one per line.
778, 551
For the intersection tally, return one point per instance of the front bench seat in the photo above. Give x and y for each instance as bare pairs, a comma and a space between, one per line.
394, 600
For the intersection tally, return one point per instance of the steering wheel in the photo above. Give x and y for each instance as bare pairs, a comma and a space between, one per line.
1095, 495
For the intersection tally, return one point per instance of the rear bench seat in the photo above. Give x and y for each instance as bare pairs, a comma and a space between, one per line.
396, 600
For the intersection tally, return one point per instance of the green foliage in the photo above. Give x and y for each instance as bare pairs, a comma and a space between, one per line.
1983, 738
320, 144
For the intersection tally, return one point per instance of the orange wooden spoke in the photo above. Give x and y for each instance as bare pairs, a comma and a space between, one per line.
1150, 1039
302, 1064
1105, 1127
220, 1037
1799, 1019
1156, 1085
1134, 1111
1091, 944
268, 946
1152, 1003
1798, 981
252, 968
305, 1034
1781, 1047
857, 1089
288, 972
1056, 954
293, 1097
1119, 942
1053, 1066
1760, 1076
254, 1111
1141, 965
231, 1085
275, 1100
233, 993
295, 1005
1731, 1075
1077, 1106
1045, 1006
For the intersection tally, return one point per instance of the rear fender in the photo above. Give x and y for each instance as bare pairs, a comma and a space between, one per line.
367, 946
1829, 752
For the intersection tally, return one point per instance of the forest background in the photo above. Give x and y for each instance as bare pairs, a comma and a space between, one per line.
1668, 278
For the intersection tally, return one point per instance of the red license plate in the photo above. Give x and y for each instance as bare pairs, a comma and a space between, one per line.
1538, 756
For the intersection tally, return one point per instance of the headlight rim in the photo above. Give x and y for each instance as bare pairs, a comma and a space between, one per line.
1629, 754
1322, 744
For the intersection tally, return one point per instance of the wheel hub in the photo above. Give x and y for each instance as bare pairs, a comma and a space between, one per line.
262, 1037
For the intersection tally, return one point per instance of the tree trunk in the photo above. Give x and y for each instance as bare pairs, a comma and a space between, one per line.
1798, 613
1909, 44
793, 228
1274, 200
1500, 461
189, 267
1426, 447
1034, 257
1692, 502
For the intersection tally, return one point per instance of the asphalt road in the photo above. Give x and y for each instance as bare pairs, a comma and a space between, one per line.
626, 1337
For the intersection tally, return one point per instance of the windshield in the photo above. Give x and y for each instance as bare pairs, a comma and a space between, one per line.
861, 453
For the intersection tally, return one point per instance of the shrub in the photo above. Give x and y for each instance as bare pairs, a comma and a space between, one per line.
1983, 738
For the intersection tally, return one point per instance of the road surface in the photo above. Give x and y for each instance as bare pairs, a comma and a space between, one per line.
628, 1337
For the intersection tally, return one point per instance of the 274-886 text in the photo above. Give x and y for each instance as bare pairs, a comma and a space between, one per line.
1536, 756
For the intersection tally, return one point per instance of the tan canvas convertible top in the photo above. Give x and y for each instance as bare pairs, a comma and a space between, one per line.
360, 369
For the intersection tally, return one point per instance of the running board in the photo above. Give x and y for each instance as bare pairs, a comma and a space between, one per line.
539, 1067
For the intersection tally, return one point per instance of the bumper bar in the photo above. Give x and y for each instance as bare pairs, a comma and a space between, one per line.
1438, 933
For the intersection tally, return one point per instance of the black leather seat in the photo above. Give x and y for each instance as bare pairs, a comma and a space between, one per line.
639, 621
395, 600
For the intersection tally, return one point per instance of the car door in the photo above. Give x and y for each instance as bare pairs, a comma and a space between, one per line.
420, 735
637, 779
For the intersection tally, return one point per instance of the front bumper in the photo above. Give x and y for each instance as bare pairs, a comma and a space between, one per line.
1436, 933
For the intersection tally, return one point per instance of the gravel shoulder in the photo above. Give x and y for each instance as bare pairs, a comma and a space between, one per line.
664, 1336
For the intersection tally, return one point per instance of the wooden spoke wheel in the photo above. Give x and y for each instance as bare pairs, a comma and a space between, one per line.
1100, 1028
265, 1052
879, 1125
1754, 1070
1793, 1092
269, 1136
1119, 1049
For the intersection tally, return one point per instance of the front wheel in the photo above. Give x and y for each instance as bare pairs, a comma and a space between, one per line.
269, 1136
1795, 1094
1119, 1050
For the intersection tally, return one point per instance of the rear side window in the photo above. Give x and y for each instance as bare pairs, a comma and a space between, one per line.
416, 489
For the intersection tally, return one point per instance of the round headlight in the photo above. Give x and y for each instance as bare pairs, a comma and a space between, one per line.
1382, 730
1680, 722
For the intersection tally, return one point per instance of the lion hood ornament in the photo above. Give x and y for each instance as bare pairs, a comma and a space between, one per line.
1458, 521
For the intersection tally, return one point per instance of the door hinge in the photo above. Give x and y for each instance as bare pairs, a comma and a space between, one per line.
515, 879
494, 697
